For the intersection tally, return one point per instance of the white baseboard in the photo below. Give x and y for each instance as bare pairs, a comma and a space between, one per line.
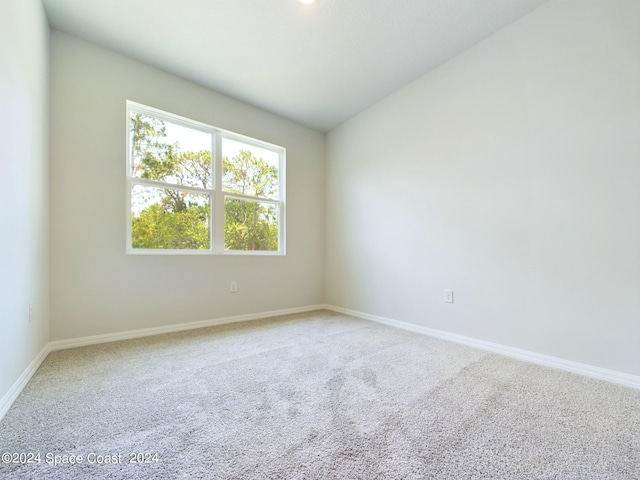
567, 365
532, 357
18, 386
148, 332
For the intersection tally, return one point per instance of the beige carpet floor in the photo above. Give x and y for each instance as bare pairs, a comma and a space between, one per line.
314, 396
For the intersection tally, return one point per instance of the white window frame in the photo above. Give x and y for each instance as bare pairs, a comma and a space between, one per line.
216, 194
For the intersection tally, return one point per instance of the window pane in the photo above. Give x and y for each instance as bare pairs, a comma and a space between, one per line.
249, 170
168, 152
169, 219
250, 225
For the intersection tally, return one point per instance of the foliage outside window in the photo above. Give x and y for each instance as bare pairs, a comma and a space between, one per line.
193, 188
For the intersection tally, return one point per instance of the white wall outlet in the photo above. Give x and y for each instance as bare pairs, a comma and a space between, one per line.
234, 287
32, 311
448, 296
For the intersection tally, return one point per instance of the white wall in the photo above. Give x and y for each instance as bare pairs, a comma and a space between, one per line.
96, 288
510, 174
24, 211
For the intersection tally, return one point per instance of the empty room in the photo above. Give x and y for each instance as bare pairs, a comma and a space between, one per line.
320, 239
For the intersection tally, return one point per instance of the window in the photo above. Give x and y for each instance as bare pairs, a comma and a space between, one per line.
194, 188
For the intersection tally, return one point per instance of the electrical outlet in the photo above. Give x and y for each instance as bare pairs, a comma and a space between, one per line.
448, 296
234, 287
32, 311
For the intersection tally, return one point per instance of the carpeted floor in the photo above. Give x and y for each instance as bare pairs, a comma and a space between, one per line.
315, 396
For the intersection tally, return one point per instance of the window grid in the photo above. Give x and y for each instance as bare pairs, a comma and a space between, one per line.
216, 194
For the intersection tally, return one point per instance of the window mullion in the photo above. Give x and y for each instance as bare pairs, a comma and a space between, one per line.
218, 204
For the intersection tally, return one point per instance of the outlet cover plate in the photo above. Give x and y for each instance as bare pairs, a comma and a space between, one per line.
448, 296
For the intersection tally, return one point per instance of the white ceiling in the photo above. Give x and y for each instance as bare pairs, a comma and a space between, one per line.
317, 64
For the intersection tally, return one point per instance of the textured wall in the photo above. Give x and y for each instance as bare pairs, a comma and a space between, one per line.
24, 190
511, 175
97, 288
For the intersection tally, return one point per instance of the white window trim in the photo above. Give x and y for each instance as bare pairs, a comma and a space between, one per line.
216, 194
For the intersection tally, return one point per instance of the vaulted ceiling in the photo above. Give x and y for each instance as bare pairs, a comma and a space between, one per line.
317, 64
